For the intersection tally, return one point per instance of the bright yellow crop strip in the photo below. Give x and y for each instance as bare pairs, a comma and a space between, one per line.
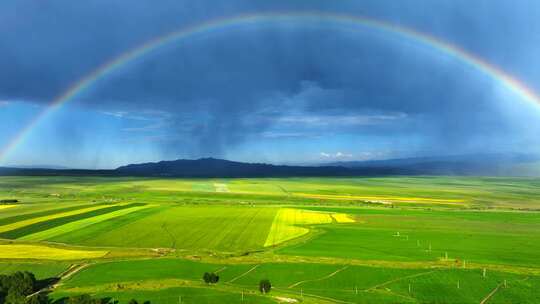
31, 221
46, 253
342, 218
6, 206
80, 224
284, 227
389, 198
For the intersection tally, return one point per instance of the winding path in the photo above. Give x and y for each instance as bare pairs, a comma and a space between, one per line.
399, 279
244, 274
320, 279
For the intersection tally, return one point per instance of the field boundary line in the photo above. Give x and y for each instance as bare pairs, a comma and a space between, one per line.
246, 228
221, 269
284, 190
399, 279
320, 279
244, 274
171, 236
491, 294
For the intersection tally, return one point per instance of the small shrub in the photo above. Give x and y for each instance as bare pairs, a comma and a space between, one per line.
265, 286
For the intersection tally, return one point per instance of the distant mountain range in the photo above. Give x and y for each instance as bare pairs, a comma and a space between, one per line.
472, 165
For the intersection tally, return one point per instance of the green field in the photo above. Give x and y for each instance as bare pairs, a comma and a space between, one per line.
318, 240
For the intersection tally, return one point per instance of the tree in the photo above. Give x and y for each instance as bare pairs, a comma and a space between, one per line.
133, 301
265, 286
210, 278
206, 277
214, 278
15, 287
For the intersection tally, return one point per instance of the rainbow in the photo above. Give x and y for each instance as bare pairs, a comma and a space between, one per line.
504, 79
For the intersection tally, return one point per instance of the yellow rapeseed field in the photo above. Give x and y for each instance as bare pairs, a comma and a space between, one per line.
383, 198
6, 206
16, 251
342, 218
285, 225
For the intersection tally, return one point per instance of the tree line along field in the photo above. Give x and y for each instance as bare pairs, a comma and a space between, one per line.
317, 240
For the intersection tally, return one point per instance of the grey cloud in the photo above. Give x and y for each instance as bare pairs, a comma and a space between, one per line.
222, 88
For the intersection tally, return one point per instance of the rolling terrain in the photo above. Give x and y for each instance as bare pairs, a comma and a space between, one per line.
318, 240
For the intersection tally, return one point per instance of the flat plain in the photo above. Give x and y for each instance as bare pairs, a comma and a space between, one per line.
318, 240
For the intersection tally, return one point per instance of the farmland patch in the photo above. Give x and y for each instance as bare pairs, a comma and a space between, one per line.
58, 221
226, 228
286, 225
50, 215
20, 251
80, 224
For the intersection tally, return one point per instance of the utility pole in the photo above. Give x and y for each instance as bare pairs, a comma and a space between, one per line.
484, 273
356, 289
458, 284
242, 296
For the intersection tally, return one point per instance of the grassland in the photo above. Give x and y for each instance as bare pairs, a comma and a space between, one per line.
41, 270
318, 240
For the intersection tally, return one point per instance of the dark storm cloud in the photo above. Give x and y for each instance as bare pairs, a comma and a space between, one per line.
222, 88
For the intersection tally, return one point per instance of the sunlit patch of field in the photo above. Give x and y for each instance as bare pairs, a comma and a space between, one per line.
342, 218
2, 207
21, 251
220, 187
286, 225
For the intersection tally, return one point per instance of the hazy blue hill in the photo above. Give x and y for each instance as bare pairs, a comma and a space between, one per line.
472, 164
475, 165
211, 167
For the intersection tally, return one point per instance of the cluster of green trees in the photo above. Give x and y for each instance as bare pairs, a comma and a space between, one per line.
22, 288
211, 278
17, 288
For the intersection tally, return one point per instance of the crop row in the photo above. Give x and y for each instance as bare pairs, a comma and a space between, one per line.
40, 226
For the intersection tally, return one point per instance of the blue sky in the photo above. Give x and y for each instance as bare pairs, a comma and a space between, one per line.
281, 93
